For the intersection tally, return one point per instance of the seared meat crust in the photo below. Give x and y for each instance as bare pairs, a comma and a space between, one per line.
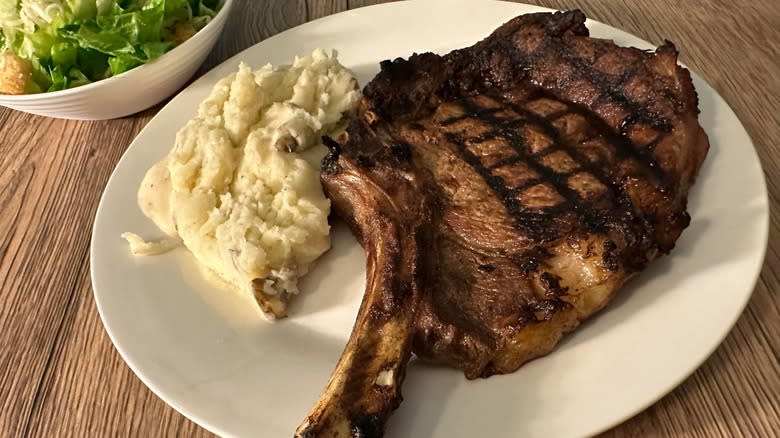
503, 193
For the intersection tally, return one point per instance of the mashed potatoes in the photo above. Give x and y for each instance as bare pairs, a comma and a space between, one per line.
241, 185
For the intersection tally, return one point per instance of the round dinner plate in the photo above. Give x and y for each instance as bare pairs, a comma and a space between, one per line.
210, 355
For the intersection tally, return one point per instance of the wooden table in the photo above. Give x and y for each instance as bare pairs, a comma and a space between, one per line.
60, 375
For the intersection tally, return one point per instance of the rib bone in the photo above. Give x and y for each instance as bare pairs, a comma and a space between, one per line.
365, 387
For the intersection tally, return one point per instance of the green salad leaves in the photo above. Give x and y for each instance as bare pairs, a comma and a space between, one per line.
68, 43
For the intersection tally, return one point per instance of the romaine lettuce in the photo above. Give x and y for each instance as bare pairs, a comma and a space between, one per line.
75, 42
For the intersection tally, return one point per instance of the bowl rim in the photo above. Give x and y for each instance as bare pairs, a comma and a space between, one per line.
222, 12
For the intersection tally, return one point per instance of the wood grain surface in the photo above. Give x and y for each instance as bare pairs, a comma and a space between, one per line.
60, 375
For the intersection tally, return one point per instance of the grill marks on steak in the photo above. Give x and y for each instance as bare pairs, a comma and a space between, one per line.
519, 191
533, 164
503, 193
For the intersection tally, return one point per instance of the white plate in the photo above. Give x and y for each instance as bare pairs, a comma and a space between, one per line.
209, 355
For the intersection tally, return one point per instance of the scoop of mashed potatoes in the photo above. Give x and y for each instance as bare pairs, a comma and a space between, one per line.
241, 185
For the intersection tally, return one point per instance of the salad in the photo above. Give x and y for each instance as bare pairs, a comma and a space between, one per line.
49, 45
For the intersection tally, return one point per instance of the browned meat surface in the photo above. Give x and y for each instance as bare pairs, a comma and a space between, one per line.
503, 193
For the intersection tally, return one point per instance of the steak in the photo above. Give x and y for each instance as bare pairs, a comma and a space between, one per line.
503, 193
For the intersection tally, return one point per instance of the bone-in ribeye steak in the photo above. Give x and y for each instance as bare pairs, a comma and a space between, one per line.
503, 193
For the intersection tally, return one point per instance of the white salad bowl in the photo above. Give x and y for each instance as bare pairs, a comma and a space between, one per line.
129, 92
